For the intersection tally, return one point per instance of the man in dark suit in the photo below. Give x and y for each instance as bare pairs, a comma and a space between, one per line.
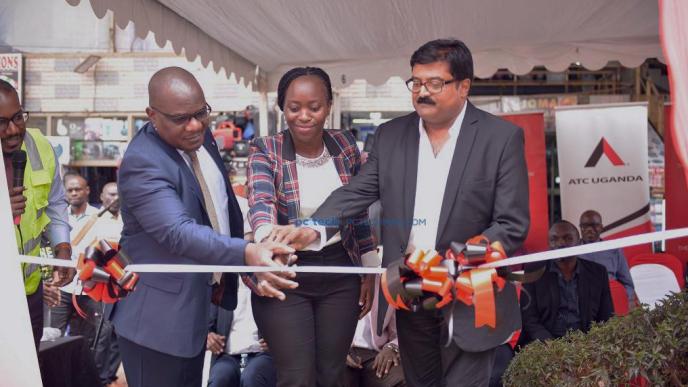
446, 172
178, 207
570, 295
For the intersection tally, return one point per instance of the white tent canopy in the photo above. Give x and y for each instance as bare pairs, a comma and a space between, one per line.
373, 40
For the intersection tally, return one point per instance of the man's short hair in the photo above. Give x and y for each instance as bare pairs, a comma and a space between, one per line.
566, 222
72, 175
452, 51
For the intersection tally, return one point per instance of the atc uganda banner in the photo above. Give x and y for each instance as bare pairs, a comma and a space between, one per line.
602, 152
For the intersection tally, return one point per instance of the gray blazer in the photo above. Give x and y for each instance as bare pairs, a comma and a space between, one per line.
487, 193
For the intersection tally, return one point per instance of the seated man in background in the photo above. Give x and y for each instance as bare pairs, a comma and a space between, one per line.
245, 350
236, 344
373, 360
570, 295
613, 260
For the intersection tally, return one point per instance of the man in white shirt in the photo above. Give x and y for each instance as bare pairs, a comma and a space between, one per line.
77, 191
241, 356
107, 226
373, 360
446, 172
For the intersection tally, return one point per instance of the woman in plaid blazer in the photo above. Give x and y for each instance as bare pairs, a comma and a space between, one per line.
290, 174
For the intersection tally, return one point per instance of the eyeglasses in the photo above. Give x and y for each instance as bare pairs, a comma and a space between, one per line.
18, 118
589, 225
183, 119
432, 85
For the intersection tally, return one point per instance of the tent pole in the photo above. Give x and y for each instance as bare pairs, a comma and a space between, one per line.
336, 114
262, 104
263, 113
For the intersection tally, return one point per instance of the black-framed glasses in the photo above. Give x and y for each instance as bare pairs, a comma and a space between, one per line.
183, 119
19, 118
589, 225
432, 85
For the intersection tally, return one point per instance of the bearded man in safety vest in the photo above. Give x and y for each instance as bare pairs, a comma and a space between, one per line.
40, 205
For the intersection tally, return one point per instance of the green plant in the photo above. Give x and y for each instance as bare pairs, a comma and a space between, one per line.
650, 345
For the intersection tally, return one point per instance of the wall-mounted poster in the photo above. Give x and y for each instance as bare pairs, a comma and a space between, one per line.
62, 148
11, 71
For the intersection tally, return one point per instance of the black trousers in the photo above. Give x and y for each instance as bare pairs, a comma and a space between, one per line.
427, 362
35, 302
145, 367
106, 354
503, 356
309, 333
62, 316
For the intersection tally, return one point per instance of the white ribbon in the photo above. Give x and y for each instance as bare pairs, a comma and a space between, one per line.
47, 261
164, 268
528, 258
590, 248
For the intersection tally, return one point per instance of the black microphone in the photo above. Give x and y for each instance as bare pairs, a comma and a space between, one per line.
18, 166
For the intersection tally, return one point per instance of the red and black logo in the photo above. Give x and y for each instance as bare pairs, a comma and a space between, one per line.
603, 147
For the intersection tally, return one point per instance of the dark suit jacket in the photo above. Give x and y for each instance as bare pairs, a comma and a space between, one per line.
487, 193
540, 312
165, 222
220, 322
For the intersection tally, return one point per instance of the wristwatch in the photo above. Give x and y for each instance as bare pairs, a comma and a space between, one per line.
393, 347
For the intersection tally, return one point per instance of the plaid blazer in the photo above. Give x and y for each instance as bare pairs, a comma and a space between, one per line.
273, 185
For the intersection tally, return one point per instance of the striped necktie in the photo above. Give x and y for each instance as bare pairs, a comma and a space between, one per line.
207, 199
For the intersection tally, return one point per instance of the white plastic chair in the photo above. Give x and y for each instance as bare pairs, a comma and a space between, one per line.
206, 367
653, 282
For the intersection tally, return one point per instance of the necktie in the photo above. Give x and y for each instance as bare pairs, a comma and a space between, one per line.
209, 205
207, 199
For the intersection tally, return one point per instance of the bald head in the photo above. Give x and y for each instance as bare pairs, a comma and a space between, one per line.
110, 187
77, 191
563, 234
177, 108
591, 214
591, 226
72, 176
6, 89
110, 197
12, 133
171, 82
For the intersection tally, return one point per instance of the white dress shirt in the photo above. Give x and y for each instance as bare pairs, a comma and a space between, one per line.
363, 338
315, 185
243, 334
77, 222
216, 185
431, 182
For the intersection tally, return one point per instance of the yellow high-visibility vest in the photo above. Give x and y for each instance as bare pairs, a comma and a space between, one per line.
38, 179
